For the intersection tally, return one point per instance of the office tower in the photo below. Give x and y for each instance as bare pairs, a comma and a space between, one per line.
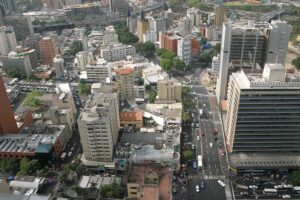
2, 14
15, 61
7, 119
132, 21
263, 111
212, 33
99, 124
150, 36
169, 15
185, 25
157, 24
219, 11
215, 63
278, 41
8, 40
169, 90
125, 83
184, 50
58, 63
21, 24
244, 45
83, 58
47, 50
194, 14
168, 41
142, 26
9, 5
115, 52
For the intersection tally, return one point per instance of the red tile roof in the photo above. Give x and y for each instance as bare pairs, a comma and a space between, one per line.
124, 71
131, 116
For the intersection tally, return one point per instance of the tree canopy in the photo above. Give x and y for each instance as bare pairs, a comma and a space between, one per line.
113, 190
166, 64
147, 49
152, 96
29, 167
75, 47
9, 165
15, 73
294, 178
296, 63
32, 99
84, 89
124, 35
186, 117
187, 155
179, 64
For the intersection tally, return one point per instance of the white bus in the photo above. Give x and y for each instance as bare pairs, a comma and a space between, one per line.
200, 164
270, 191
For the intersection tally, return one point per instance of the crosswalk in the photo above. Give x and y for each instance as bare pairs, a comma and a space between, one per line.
206, 177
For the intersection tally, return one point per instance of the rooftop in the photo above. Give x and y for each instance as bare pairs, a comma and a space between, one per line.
124, 71
131, 116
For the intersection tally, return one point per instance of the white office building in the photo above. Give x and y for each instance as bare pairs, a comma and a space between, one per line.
110, 36
150, 36
194, 14
115, 52
98, 71
215, 64
184, 50
83, 58
99, 126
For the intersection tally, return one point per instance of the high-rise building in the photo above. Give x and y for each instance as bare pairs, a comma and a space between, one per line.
215, 63
119, 6
142, 26
99, 125
185, 25
263, 111
219, 11
47, 50
168, 41
32, 54
157, 24
248, 44
132, 21
125, 83
2, 14
169, 91
150, 36
184, 50
8, 40
194, 14
243, 46
7, 119
15, 61
169, 15
278, 41
84, 58
58, 63
8, 5
98, 71
21, 24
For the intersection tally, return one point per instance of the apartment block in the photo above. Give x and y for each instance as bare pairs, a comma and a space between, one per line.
97, 71
263, 111
83, 58
99, 125
220, 12
169, 91
110, 36
125, 83
115, 52
169, 42
184, 50
58, 63
47, 50
142, 26
15, 61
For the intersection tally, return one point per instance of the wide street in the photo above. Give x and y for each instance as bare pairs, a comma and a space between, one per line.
208, 127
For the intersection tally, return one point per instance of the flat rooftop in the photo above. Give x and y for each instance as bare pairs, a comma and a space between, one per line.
264, 160
131, 116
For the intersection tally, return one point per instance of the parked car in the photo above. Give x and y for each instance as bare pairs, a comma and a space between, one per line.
286, 196
221, 183
254, 187
197, 188
211, 145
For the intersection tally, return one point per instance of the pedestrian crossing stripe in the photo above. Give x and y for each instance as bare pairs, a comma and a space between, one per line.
206, 177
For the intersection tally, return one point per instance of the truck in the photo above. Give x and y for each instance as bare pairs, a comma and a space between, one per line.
200, 164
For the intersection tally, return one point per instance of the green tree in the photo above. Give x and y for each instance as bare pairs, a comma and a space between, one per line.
186, 117
294, 178
32, 99
152, 96
113, 190
9, 165
147, 49
179, 64
75, 47
159, 52
187, 155
15, 73
203, 41
296, 63
168, 55
166, 64
84, 89
29, 167
185, 91
124, 35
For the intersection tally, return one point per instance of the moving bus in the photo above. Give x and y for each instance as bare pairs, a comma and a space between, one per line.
270, 191
200, 164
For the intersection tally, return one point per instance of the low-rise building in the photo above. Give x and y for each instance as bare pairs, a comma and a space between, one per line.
86, 9
15, 61
41, 86
125, 83
132, 119
110, 36
12, 89
152, 74
98, 71
169, 91
115, 52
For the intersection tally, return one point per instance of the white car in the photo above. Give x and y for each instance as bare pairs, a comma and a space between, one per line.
287, 186
198, 137
211, 145
278, 186
286, 196
193, 146
221, 183
253, 187
197, 188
